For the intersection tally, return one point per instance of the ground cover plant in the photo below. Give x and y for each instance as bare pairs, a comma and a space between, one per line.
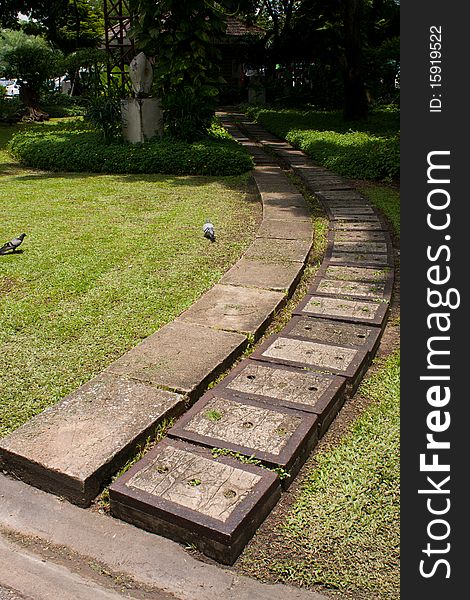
107, 260
366, 149
73, 146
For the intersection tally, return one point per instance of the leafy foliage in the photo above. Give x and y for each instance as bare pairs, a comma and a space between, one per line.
180, 36
104, 114
73, 147
67, 24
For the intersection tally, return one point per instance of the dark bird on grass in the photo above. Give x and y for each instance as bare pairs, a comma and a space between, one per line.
13, 244
209, 232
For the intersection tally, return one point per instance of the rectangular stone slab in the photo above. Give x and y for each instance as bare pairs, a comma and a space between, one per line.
308, 391
234, 308
181, 356
181, 492
360, 236
341, 195
353, 335
304, 353
71, 448
343, 211
289, 213
350, 273
358, 225
370, 290
353, 311
279, 250
359, 258
273, 434
286, 230
262, 274
363, 247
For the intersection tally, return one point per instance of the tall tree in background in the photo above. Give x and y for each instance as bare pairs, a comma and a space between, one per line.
32, 61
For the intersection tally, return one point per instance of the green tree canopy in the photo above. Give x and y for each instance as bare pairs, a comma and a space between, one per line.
67, 24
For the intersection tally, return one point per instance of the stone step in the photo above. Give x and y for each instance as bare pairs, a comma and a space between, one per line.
363, 259
366, 337
277, 276
286, 230
349, 273
347, 361
182, 492
353, 311
318, 393
355, 289
272, 249
181, 356
71, 448
234, 308
276, 435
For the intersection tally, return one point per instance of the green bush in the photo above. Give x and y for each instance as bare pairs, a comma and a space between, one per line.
355, 154
73, 147
58, 105
364, 149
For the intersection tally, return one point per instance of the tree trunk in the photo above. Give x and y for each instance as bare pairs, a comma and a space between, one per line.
30, 98
355, 96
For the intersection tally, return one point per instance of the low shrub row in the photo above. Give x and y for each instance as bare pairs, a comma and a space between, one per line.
364, 149
356, 154
75, 148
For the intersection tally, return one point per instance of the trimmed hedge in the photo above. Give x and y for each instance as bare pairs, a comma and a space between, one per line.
364, 150
71, 147
356, 154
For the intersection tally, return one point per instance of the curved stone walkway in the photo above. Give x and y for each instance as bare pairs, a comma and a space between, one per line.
272, 407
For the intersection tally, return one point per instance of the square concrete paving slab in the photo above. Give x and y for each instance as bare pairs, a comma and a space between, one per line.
295, 388
368, 259
346, 361
341, 195
273, 434
361, 247
286, 230
73, 447
347, 273
234, 308
284, 198
288, 213
361, 236
261, 274
353, 311
355, 289
353, 335
358, 225
181, 492
340, 211
354, 218
181, 356
279, 250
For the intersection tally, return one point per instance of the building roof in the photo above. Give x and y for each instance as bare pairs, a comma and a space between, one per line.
236, 27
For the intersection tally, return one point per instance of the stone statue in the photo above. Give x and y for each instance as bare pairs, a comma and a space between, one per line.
141, 75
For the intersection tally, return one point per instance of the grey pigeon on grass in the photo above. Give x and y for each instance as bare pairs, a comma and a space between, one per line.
209, 231
13, 244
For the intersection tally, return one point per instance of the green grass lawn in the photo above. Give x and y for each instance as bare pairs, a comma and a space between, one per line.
107, 260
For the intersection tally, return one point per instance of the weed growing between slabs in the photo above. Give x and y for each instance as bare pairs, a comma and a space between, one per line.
108, 260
